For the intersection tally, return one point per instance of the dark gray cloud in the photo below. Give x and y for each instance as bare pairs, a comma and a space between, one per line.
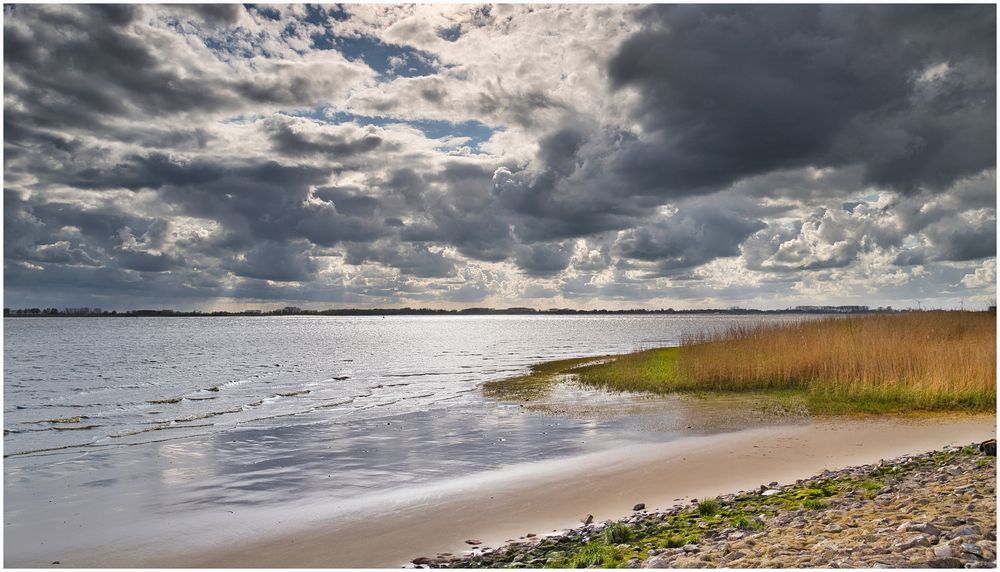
733, 91
543, 259
698, 232
286, 141
288, 262
89, 65
411, 259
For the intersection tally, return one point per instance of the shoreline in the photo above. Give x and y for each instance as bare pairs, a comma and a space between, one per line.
547, 496
931, 510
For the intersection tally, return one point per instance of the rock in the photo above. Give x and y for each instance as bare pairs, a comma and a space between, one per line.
474, 541
913, 542
690, 548
589, 519
922, 527
639, 506
769, 492
989, 447
943, 551
422, 561
687, 562
945, 563
964, 531
734, 556
965, 489
833, 528
530, 535
658, 562
972, 549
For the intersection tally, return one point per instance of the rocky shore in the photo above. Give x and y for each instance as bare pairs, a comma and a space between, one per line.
933, 510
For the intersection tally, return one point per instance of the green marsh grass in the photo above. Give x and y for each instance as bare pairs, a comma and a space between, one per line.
534, 384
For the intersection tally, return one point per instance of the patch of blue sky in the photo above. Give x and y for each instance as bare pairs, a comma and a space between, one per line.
451, 33
319, 14
241, 44
389, 60
265, 11
472, 132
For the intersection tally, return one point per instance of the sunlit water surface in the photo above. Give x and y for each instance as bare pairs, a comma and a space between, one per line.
123, 428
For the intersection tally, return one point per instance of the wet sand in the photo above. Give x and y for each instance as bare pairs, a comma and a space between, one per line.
540, 497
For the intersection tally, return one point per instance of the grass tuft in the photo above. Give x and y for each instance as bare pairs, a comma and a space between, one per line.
597, 554
744, 522
709, 507
617, 533
815, 504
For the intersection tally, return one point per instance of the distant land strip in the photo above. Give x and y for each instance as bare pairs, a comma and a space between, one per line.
295, 311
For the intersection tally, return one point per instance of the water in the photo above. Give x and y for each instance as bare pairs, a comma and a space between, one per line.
116, 429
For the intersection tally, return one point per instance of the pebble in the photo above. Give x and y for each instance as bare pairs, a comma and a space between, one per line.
943, 551
972, 549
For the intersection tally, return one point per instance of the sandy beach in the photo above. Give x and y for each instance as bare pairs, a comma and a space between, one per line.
545, 496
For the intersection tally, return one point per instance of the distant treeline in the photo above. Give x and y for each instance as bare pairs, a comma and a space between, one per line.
294, 311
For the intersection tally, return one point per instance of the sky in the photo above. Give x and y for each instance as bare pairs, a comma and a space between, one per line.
448, 156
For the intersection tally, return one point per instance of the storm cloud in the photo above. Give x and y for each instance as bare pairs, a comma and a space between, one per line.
587, 156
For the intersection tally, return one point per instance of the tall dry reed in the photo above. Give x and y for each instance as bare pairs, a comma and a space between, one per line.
929, 360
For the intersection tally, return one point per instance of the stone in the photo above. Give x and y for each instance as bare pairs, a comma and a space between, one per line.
658, 562
969, 548
589, 519
833, 528
688, 562
964, 531
922, 527
734, 556
769, 492
945, 563
474, 541
943, 551
913, 542
989, 447
639, 506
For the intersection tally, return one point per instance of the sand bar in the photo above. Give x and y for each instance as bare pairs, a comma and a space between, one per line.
540, 497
